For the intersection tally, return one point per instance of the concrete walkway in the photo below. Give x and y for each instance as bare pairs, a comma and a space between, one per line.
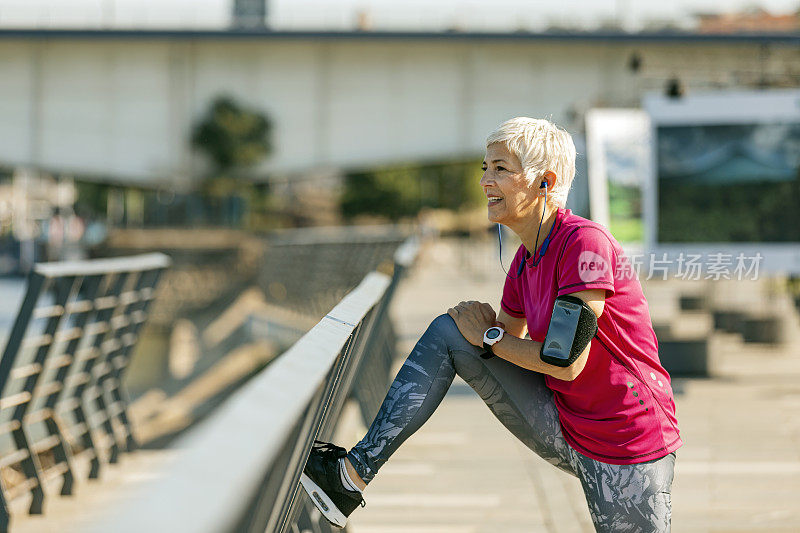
464, 472
80, 512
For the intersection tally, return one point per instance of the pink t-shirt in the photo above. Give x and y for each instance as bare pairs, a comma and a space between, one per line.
620, 409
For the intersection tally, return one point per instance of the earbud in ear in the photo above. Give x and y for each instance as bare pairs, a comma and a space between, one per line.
548, 174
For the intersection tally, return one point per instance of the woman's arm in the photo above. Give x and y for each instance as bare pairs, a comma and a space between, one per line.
474, 318
525, 352
512, 325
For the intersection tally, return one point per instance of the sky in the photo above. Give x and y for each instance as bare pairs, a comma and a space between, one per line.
475, 15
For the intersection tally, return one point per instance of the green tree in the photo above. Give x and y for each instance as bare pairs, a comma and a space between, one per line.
401, 191
232, 138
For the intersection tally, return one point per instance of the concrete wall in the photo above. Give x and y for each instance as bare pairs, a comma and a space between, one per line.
122, 108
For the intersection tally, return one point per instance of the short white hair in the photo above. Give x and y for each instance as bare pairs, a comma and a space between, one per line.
540, 146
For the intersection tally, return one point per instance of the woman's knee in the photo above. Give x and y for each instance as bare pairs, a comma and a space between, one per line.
463, 353
445, 327
442, 324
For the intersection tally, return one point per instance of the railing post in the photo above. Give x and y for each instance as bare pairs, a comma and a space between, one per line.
101, 290
89, 285
64, 288
106, 344
132, 317
137, 317
30, 463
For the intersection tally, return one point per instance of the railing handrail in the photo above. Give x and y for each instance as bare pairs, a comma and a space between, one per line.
224, 458
406, 253
91, 267
362, 234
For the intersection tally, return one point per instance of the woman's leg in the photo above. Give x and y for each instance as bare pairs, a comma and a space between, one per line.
628, 498
517, 397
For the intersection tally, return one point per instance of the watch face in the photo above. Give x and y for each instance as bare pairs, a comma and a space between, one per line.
492, 333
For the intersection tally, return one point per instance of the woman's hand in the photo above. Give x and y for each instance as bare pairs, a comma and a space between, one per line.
473, 319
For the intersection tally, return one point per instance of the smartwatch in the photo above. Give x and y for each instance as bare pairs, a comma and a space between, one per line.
490, 337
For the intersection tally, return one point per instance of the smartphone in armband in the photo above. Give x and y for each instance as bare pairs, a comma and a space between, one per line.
572, 326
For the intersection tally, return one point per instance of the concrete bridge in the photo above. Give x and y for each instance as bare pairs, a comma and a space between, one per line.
119, 105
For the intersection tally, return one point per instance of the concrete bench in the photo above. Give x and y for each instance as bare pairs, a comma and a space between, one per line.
684, 357
728, 320
771, 330
692, 302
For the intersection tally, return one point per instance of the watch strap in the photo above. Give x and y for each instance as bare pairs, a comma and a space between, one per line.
488, 354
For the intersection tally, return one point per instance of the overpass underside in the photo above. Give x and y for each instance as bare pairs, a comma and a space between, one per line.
119, 106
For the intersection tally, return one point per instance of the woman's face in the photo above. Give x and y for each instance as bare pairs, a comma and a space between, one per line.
510, 198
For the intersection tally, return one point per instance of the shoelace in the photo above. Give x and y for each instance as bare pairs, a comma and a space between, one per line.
328, 448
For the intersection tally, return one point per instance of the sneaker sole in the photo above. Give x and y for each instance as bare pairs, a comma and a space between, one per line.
321, 500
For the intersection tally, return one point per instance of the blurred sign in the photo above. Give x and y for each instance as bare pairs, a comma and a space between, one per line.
618, 148
725, 175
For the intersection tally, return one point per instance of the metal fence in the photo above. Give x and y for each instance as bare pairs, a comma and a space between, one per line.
309, 270
240, 469
61, 398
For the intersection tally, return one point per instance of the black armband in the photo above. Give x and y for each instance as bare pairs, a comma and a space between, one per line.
572, 326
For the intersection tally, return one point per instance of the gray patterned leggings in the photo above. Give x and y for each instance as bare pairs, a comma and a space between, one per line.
629, 498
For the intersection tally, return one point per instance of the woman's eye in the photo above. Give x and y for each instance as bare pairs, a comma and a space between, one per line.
501, 168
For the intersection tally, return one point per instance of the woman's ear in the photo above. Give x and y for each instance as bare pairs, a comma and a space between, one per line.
549, 177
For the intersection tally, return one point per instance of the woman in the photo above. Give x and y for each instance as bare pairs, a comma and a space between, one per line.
607, 418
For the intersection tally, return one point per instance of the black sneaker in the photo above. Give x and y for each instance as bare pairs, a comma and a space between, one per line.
322, 482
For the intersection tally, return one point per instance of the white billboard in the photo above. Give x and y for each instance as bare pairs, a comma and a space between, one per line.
724, 177
618, 149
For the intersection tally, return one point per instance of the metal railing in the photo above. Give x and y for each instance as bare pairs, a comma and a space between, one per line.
240, 469
61, 397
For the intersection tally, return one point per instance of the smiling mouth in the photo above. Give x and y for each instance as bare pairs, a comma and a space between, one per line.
494, 200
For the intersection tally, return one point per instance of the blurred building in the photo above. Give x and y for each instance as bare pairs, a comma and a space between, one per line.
754, 20
118, 106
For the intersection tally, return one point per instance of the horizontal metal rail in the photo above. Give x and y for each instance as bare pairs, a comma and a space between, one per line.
114, 265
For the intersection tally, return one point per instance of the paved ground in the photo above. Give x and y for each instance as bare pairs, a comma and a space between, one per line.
80, 512
739, 470
464, 472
